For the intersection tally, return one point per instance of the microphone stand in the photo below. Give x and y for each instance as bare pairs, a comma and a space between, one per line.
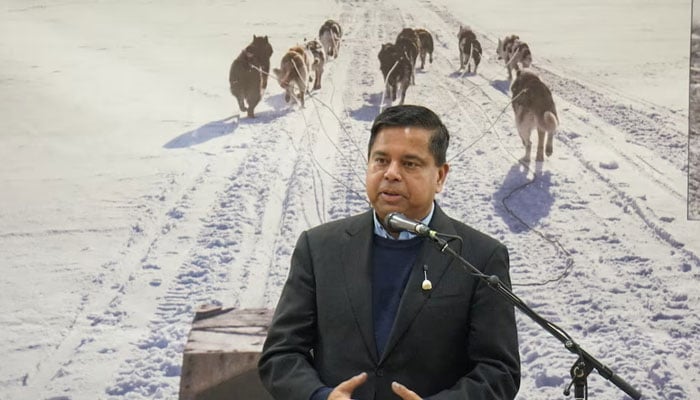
585, 362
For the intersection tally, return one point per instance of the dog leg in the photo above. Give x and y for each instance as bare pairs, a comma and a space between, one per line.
413, 70
525, 130
317, 82
528, 147
469, 58
540, 145
550, 144
265, 66
403, 87
253, 98
241, 104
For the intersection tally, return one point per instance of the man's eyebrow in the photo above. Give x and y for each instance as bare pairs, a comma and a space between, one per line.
412, 157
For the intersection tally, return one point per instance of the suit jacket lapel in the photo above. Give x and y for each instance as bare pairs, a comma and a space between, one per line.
357, 269
414, 297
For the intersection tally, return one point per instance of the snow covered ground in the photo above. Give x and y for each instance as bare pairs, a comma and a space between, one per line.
131, 192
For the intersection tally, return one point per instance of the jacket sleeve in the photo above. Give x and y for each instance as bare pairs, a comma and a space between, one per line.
492, 341
285, 364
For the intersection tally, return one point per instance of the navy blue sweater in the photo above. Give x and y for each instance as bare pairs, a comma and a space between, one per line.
391, 266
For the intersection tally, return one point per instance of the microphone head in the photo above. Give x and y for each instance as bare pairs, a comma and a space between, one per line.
397, 222
390, 217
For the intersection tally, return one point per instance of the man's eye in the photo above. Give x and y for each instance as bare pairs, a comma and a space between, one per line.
410, 164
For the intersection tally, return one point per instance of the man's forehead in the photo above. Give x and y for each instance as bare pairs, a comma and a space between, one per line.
407, 129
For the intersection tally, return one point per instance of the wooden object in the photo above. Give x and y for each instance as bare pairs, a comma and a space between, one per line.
221, 356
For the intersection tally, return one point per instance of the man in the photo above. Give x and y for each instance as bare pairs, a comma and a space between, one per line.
354, 321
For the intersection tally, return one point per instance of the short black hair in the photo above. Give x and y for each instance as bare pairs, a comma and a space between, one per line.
418, 116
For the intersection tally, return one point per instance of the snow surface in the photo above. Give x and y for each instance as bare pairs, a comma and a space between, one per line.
131, 191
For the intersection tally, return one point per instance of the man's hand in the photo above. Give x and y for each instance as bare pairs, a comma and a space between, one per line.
345, 389
403, 392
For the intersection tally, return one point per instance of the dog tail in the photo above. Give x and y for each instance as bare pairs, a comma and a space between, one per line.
550, 121
283, 76
550, 125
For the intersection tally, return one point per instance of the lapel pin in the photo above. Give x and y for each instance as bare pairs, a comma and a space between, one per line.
427, 285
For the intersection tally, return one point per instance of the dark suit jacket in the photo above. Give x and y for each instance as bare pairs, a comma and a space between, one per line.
456, 341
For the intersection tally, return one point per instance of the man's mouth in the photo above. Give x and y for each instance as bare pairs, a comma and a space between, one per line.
390, 195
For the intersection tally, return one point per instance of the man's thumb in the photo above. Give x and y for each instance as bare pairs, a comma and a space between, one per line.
403, 392
349, 386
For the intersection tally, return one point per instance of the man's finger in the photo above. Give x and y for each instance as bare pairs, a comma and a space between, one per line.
404, 392
347, 387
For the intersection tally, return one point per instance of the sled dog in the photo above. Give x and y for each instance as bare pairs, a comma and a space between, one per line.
318, 60
534, 109
469, 49
245, 80
515, 53
426, 45
293, 74
408, 43
397, 69
329, 35
504, 49
262, 49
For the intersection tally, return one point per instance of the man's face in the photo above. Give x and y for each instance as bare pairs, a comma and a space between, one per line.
401, 174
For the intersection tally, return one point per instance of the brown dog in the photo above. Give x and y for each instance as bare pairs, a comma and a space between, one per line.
293, 72
534, 109
408, 43
262, 49
515, 53
397, 69
426, 45
246, 81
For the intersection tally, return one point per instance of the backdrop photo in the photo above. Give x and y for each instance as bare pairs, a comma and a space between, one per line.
133, 189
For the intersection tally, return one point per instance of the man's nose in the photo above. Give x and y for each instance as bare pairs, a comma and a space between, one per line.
393, 171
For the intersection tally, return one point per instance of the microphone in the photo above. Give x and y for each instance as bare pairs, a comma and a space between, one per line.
396, 222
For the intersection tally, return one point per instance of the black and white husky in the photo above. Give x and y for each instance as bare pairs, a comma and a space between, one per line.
469, 49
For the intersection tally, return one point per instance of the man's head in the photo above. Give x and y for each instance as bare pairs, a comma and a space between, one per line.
407, 161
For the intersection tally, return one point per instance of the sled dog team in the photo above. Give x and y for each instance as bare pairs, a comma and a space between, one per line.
301, 70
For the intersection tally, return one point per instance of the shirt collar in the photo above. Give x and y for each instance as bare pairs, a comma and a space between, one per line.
403, 235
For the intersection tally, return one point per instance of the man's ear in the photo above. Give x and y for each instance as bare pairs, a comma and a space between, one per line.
442, 177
